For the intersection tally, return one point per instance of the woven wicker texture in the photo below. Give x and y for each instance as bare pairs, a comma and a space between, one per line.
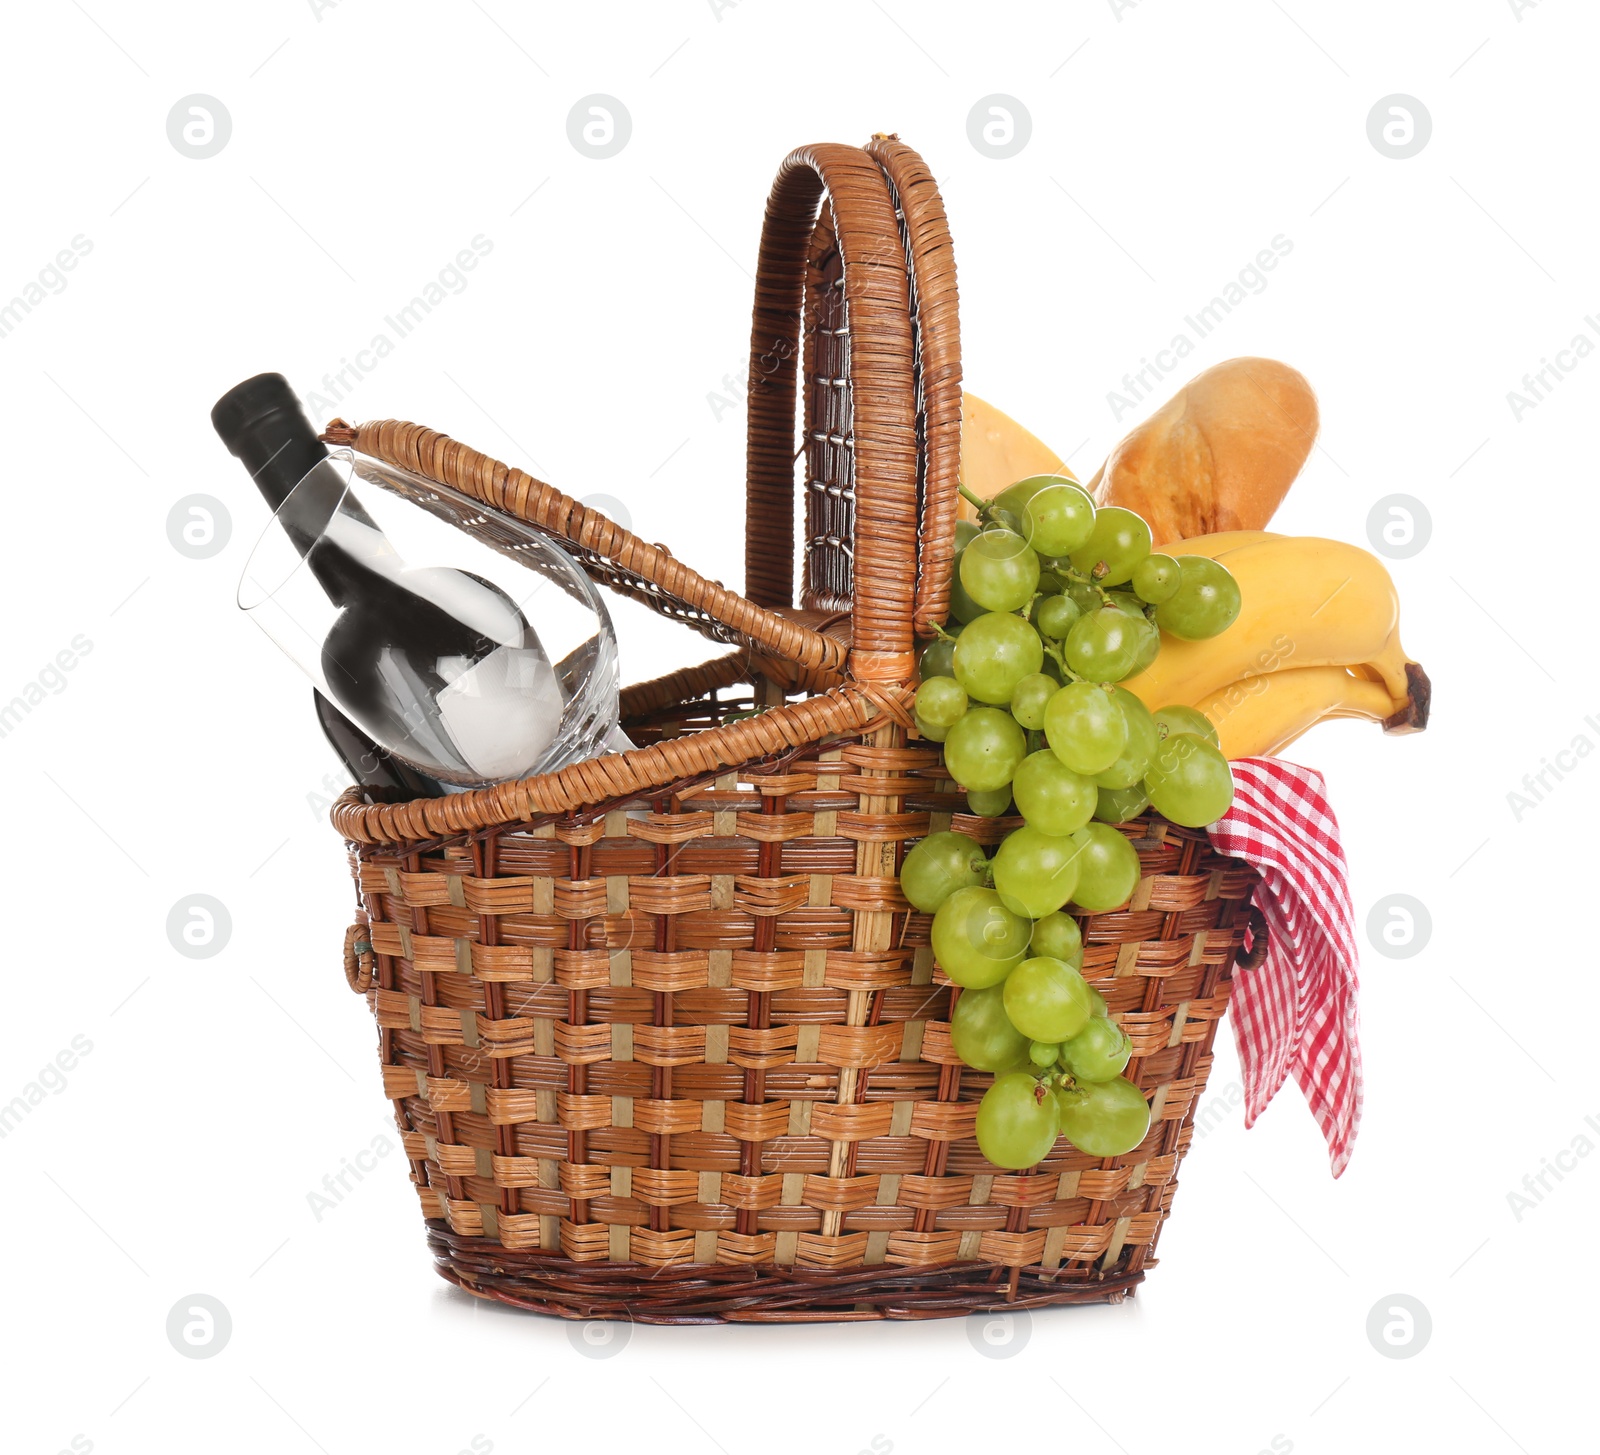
648, 1040
664, 1038
936, 335
838, 275
619, 775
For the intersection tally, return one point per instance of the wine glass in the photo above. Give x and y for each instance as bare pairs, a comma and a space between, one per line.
463, 640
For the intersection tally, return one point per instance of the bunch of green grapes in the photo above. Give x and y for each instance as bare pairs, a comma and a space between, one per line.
1054, 603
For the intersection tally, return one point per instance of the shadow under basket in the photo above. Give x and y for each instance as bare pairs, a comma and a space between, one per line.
664, 1038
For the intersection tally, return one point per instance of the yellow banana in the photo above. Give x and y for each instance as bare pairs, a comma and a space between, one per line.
1306, 602
1259, 716
996, 451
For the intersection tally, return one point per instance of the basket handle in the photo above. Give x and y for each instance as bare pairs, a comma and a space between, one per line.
358, 957
889, 424
606, 551
1260, 943
936, 325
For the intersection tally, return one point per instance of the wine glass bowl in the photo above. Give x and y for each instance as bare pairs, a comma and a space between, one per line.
464, 641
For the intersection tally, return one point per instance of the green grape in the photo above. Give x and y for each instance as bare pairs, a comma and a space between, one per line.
1118, 805
1047, 999
962, 607
1119, 541
1031, 697
1104, 646
1104, 1118
984, 749
1205, 603
1017, 1121
941, 701
1008, 520
1051, 583
1055, 616
999, 571
941, 864
1135, 755
1148, 633
1086, 728
1108, 868
1051, 796
994, 654
1058, 519
1156, 578
931, 732
1048, 588
989, 802
1180, 719
1015, 498
1189, 781
1035, 873
1058, 936
982, 1035
1043, 1054
1100, 1007
1149, 645
1098, 1052
1085, 596
966, 533
977, 940
938, 657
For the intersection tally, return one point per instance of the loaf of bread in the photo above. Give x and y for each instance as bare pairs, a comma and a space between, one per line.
1219, 455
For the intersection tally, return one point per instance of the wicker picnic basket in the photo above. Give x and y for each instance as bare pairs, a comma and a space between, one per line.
664, 1039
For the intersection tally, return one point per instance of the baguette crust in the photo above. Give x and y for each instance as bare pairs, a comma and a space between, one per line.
1219, 455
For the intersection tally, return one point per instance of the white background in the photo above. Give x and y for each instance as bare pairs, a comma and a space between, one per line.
1170, 143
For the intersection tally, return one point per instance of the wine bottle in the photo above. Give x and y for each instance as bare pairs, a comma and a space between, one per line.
386, 778
437, 665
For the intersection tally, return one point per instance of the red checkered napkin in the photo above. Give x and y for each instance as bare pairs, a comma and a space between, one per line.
1296, 1013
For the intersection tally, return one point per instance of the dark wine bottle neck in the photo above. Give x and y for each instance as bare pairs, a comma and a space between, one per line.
278, 458
262, 423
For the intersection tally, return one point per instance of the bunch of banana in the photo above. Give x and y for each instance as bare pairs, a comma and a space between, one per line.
1317, 637
1261, 716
